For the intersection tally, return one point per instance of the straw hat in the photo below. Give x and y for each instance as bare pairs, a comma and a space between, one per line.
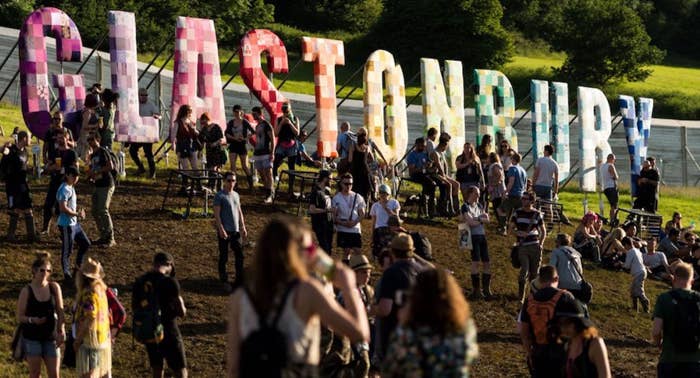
92, 269
402, 242
359, 262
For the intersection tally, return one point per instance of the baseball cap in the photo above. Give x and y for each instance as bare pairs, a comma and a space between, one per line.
384, 188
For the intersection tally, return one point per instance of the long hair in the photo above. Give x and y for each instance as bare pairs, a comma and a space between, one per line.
277, 261
615, 235
494, 158
472, 154
182, 112
84, 283
438, 302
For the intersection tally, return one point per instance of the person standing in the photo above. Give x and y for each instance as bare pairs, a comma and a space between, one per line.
647, 184
107, 112
100, 174
475, 216
51, 139
610, 190
634, 261
437, 337
40, 310
546, 177
469, 170
345, 140
146, 109
496, 180
263, 152
545, 353
71, 231
349, 209
236, 134
62, 158
171, 305
15, 168
516, 185
586, 353
89, 124
359, 158
449, 189
212, 137
186, 135
93, 344
286, 131
418, 166
680, 355
230, 228
380, 212
528, 226
321, 211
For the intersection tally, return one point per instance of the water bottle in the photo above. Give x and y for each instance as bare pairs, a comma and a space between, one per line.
322, 264
254, 172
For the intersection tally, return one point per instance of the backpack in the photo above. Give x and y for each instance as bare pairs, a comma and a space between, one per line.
117, 314
540, 314
117, 164
422, 246
686, 322
264, 352
146, 322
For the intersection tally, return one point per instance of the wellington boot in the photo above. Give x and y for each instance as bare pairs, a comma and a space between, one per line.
635, 305
486, 285
521, 292
476, 288
32, 236
12, 227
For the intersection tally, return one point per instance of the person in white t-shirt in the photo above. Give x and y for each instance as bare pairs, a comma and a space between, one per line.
657, 261
380, 213
546, 177
348, 211
634, 262
610, 177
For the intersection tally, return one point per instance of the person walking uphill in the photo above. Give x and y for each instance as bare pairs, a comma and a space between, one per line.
101, 175
528, 226
159, 291
71, 231
230, 228
14, 168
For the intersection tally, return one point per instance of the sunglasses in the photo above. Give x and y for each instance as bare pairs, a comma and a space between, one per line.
45, 270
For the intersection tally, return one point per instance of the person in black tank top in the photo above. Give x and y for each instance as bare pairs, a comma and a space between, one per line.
40, 312
586, 354
286, 131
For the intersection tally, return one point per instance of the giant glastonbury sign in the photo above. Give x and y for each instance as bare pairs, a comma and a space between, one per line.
197, 82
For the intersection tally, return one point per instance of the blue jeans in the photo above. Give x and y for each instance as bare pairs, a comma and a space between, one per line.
70, 234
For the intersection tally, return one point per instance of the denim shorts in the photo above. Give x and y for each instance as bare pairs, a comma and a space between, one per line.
46, 348
262, 162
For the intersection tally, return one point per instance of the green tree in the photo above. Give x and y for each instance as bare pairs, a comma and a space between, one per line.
466, 30
354, 16
605, 41
14, 12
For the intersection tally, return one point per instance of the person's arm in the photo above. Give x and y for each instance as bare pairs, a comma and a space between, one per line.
81, 330
373, 214
294, 125
278, 125
60, 314
526, 339
613, 172
511, 182
241, 219
233, 339
271, 138
459, 164
598, 354
657, 332
469, 220
555, 184
543, 233
350, 321
63, 206
351, 151
22, 306
536, 174
383, 308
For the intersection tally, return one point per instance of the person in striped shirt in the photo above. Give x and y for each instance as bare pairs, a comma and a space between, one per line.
528, 226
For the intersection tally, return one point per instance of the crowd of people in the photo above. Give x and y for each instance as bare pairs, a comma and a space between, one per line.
323, 317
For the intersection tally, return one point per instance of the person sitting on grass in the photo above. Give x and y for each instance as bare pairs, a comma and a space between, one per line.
613, 252
656, 261
586, 238
669, 245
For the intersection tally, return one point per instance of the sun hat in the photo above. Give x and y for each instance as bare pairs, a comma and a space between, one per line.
359, 262
92, 269
384, 188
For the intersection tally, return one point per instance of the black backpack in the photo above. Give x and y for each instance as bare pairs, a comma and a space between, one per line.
264, 352
146, 322
422, 246
686, 322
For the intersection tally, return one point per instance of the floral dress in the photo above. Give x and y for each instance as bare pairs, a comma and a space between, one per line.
95, 353
422, 352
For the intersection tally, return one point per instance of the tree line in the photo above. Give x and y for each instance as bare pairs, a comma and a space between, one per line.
605, 41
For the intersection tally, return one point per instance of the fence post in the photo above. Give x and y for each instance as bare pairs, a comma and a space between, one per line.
684, 155
98, 69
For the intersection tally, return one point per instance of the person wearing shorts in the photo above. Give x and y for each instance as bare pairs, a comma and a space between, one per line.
236, 135
19, 198
348, 211
475, 216
262, 154
610, 185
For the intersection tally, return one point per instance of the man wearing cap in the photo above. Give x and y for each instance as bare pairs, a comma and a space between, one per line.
680, 355
544, 352
71, 231
380, 212
394, 284
167, 290
230, 228
146, 109
321, 211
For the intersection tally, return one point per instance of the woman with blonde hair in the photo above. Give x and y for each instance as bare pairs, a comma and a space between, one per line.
613, 252
469, 171
437, 337
40, 310
93, 347
586, 354
280, 293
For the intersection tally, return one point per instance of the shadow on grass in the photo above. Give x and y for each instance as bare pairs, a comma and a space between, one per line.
201, 329
498, 337
204, 286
